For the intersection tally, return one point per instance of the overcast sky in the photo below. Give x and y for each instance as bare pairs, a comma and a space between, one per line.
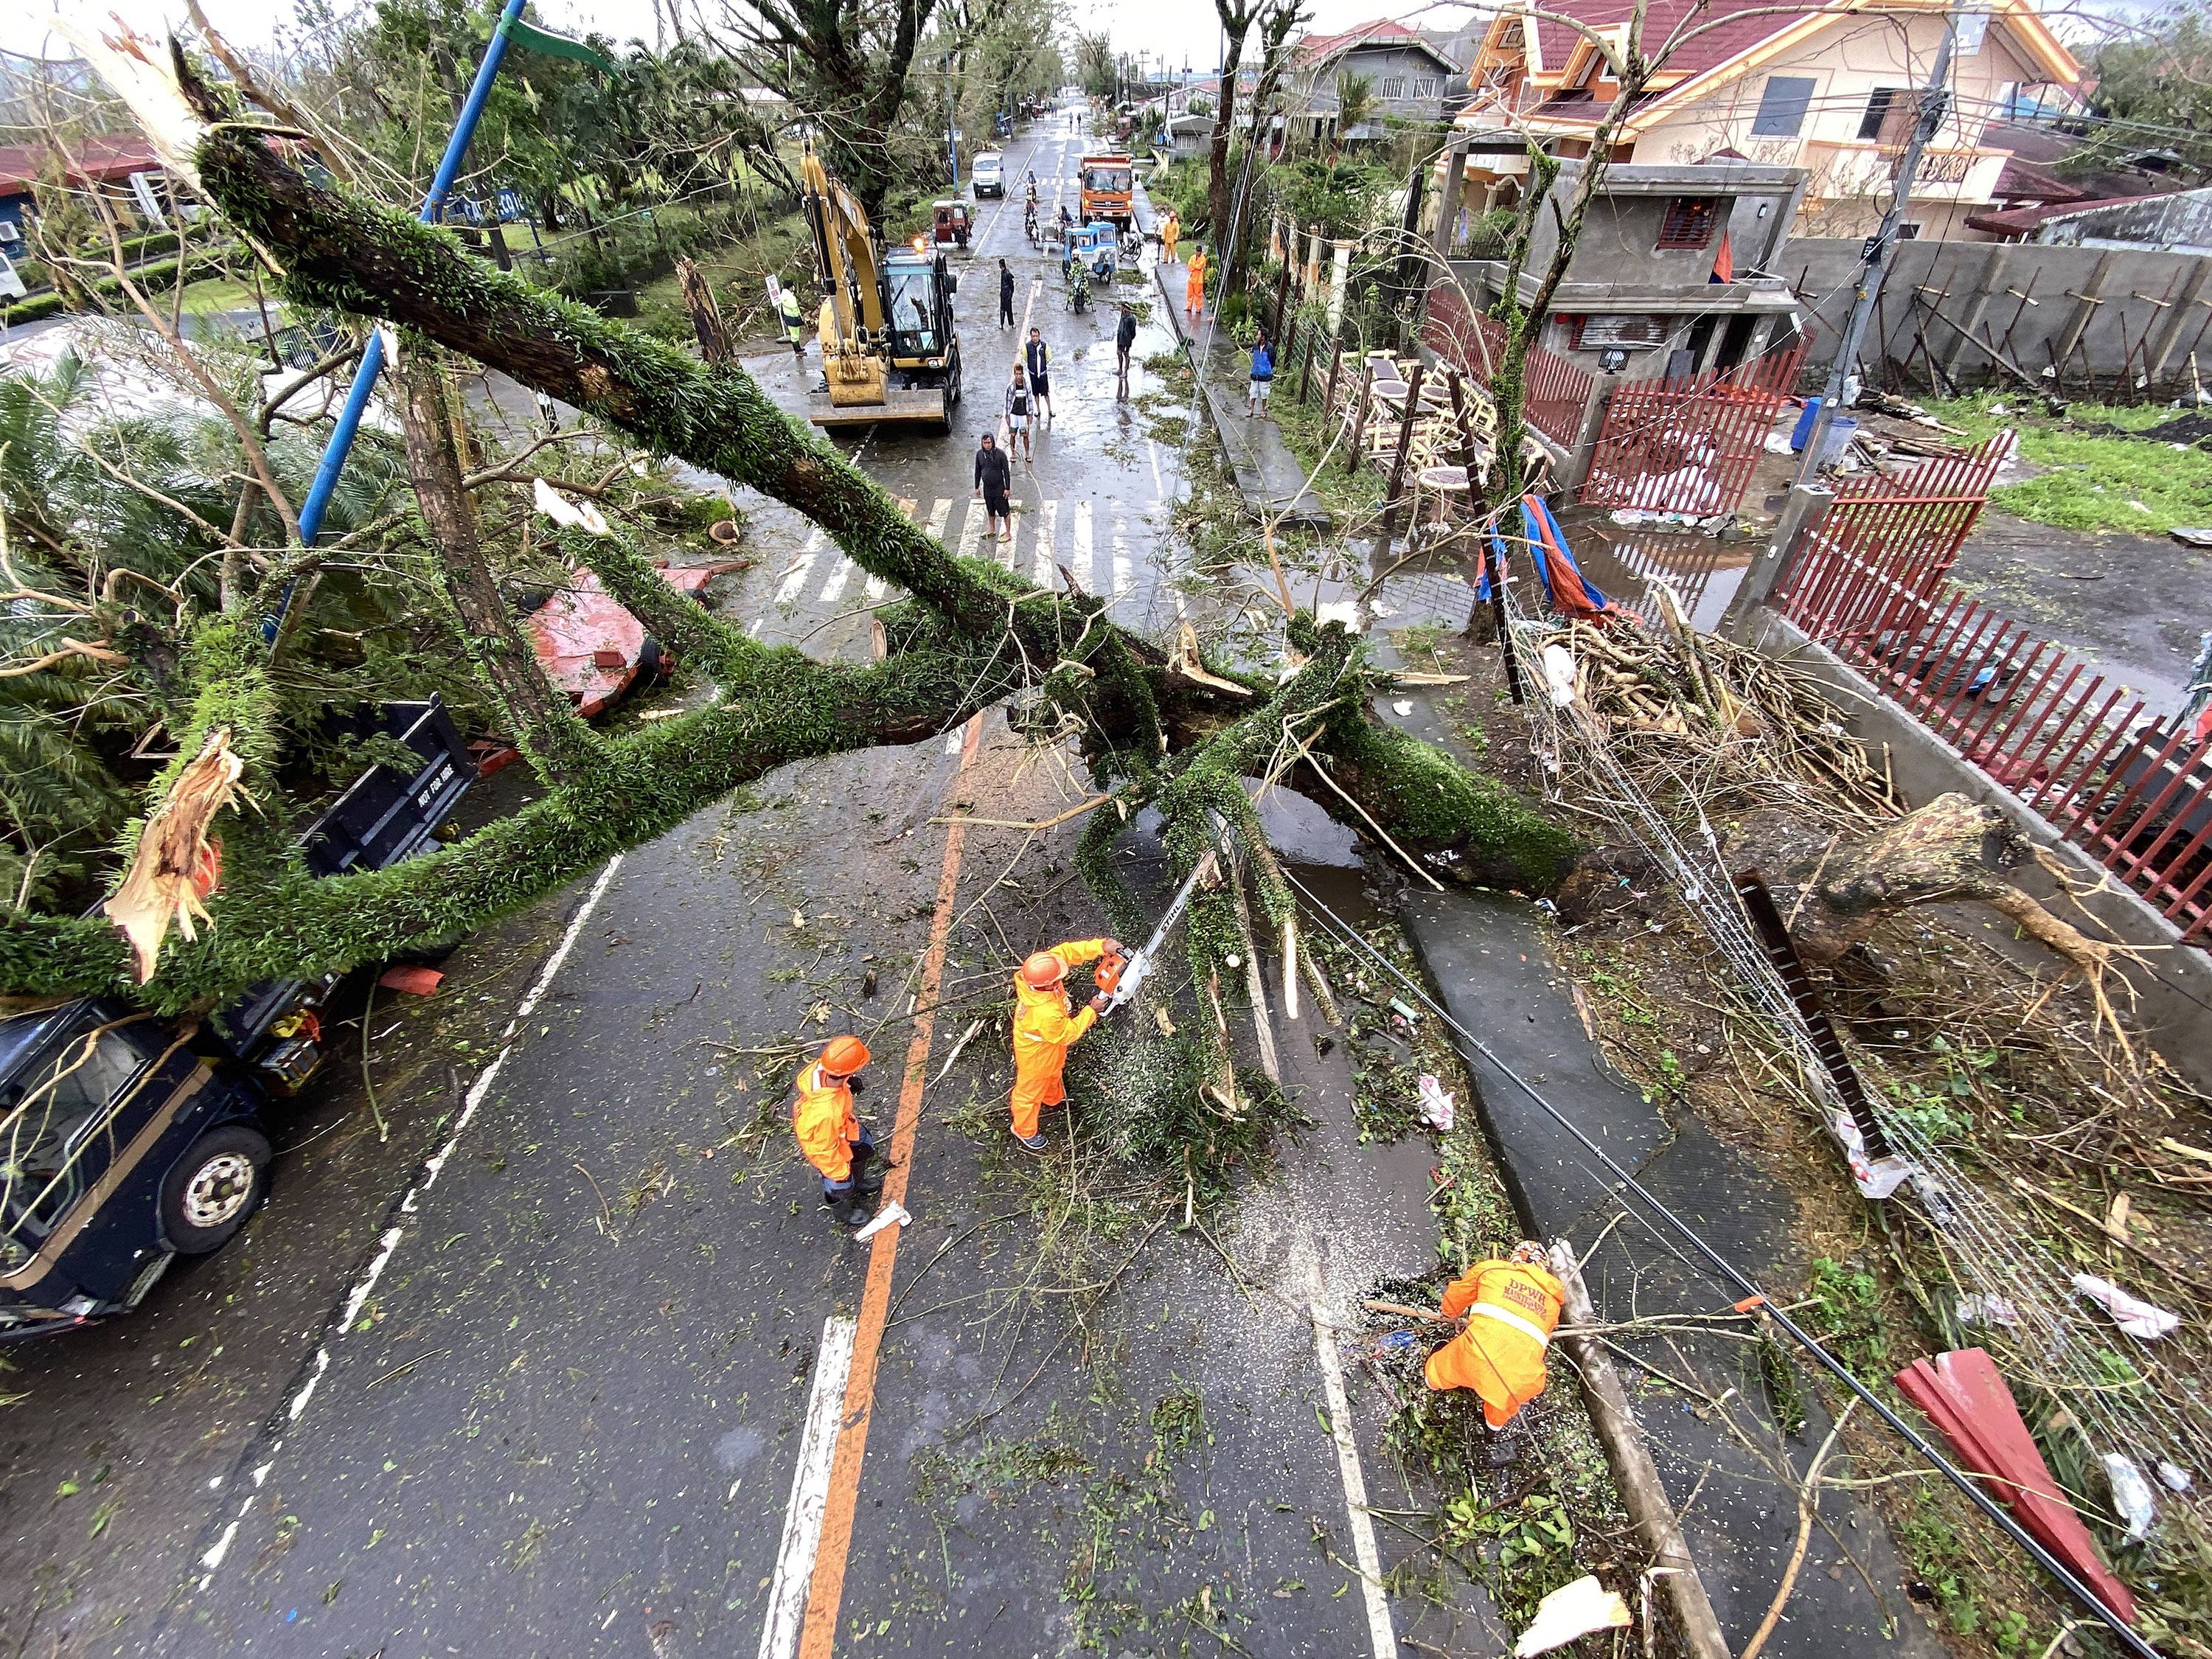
1171, 29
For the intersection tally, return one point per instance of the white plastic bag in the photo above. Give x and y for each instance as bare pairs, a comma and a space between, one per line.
2131, 1314
1437, 1108
2131, 1495
1874, 1178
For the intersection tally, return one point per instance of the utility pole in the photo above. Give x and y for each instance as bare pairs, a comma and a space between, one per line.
1933, 102
952, 121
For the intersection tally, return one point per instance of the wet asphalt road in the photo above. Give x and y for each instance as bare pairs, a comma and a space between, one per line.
553, 1401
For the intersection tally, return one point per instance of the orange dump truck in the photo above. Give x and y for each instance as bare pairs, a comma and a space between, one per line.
1108, 187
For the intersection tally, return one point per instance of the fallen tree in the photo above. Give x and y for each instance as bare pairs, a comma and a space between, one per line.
1156, 727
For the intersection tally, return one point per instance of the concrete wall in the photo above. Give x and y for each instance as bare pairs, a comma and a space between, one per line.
2179, 223
2100, 318
2174, 983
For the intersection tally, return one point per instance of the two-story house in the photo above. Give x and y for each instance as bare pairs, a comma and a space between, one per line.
1834, 89
1408, 77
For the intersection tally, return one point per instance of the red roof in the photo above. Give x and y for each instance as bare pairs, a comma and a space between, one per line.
1726, 29
1380, 31
101, 157
2023, 181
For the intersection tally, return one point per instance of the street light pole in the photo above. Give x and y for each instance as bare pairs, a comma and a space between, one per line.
1933, 102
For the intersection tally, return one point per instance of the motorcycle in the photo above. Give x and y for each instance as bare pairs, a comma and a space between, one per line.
1078, 287
1030, 224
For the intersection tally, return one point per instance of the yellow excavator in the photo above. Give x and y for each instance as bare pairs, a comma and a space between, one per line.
889, 351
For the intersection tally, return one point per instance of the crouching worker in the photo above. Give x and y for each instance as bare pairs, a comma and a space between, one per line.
828, 1133
1511, 1309
1044, 1024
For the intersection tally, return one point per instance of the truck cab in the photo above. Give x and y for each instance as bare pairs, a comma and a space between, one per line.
988, 176
127, 1140
1108, 189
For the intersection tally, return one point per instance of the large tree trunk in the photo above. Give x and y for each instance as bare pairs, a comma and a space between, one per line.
1235, 23
543, 726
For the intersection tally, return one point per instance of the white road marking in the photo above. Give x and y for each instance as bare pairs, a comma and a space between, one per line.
971, 532
1125, 572
1364, 1552
432, 1166
834, 588
797, 578
938, 516
810, 1492
815, 537
1153, 454
1081, 561
1047, 527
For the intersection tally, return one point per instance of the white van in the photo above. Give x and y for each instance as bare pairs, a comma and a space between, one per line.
989, 177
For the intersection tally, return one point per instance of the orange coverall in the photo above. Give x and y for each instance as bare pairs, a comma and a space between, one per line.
1500, 1355
1043, 1027
1193, 283
821, 1117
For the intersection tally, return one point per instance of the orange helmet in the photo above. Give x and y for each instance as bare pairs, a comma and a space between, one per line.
1042, 971
844, 1056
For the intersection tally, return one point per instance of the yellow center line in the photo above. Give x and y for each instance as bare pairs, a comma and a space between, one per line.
817, 1638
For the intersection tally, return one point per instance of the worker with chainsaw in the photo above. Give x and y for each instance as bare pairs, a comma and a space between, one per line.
1045, 1022
830, 1134
1511, 1308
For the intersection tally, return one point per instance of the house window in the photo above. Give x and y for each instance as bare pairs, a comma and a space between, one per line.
1782, 106
1394, 89
1908, 232
1427, 87
1884, 105
1689, 222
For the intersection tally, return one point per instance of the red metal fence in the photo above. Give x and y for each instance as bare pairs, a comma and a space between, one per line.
1688, 445
1557, 391
2133, 789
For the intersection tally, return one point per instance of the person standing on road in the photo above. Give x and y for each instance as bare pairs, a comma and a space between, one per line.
1171, 232
794, 318
1263, 375
1044, 1026
1124, 337
1511, 1308
993, 484
828, 1133
1037, 356
1017, 418
1005, 296
1193, 285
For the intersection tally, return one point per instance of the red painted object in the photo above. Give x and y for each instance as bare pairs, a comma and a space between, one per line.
591, 646
411, 982
1964, 1396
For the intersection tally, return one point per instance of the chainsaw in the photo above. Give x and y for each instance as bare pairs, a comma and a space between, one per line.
1120, 977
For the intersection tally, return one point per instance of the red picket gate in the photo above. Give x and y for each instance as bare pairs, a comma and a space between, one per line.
1872, 584
1556, 392
1688, 445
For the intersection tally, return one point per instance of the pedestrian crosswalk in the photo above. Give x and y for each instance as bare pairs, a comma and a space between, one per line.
1045, 534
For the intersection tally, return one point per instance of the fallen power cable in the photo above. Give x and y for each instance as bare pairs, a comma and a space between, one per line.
1728, 1273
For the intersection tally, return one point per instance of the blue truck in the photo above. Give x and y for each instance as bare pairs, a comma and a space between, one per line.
128, 1139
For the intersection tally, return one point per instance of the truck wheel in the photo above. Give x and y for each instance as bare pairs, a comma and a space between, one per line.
651, 661
214, 1187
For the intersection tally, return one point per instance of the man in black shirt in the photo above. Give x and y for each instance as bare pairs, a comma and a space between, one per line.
1005, 296
993, 481
1036, 358
1125, 337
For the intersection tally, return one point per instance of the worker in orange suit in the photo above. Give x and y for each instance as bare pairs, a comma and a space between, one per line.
1045, 1022
828, 1133
1193, 285
1511, 1309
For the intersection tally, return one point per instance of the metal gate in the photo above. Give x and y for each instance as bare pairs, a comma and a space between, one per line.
1688, 445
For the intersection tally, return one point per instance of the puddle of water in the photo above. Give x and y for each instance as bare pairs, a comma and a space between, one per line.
1706, 570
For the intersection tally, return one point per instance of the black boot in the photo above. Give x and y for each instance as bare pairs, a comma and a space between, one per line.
865, 1180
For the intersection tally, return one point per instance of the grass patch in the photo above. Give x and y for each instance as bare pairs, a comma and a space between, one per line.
2098, 481
1350, 497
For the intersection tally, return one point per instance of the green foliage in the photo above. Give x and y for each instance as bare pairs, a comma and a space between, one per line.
1848, 1316
2094, 476
2152, 88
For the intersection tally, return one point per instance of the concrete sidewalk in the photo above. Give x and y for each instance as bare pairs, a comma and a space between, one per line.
1489, 956
1269, 478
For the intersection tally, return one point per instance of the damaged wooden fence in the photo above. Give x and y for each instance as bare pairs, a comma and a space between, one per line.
1871, 582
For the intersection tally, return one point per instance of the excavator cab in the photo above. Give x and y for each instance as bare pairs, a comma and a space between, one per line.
889, 354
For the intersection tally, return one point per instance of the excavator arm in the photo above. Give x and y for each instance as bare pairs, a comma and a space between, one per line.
844, 246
